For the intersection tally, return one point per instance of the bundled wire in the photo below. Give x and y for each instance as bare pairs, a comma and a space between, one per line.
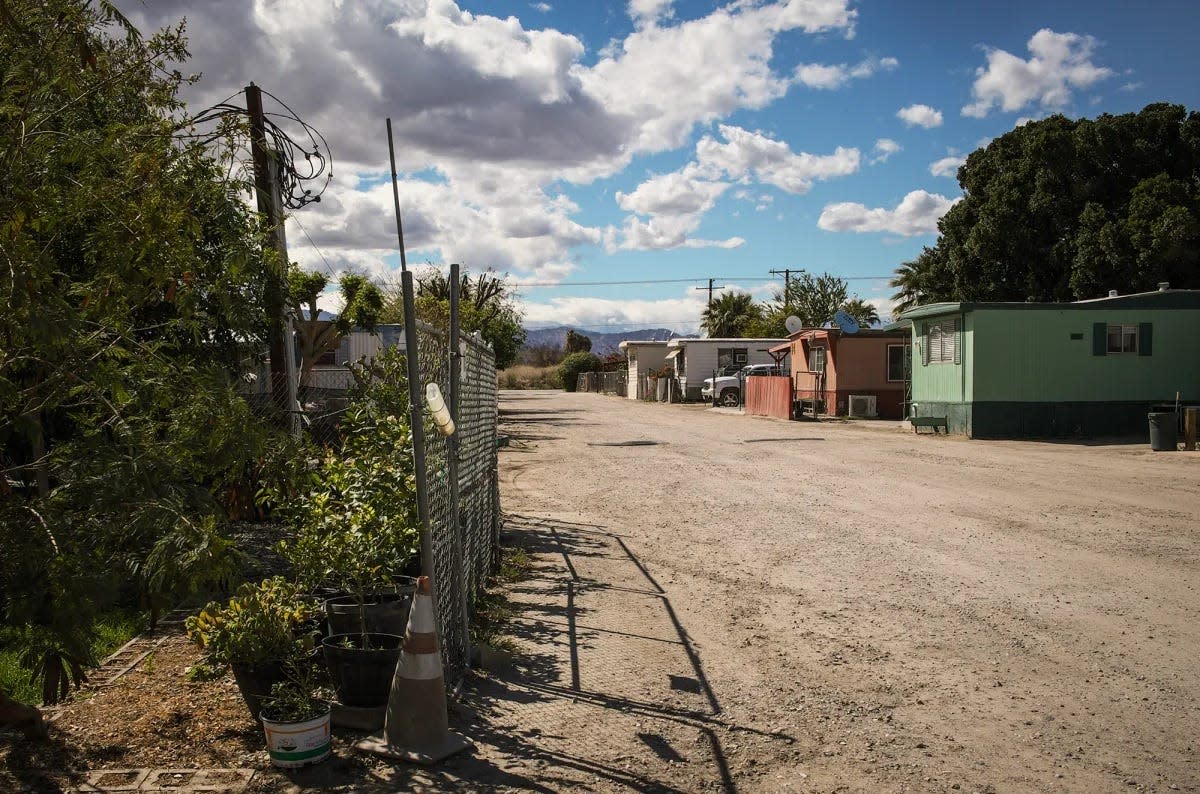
293, 174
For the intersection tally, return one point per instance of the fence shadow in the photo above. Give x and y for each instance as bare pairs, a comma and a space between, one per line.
542, 679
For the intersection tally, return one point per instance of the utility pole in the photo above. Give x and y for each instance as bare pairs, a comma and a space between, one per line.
269, 207
787, 284
710, 289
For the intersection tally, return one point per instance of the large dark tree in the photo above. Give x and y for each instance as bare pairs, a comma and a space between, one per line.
1060, 210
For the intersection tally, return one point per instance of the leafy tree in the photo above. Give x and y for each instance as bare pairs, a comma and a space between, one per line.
812, 299
362, 305
573, 365
1061, 209
729, 315
486, 306
133, 282
865, 313
576, 343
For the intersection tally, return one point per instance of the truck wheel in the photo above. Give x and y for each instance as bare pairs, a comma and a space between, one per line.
729, 397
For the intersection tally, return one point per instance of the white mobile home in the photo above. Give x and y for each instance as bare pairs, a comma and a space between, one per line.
644, 357
697, 359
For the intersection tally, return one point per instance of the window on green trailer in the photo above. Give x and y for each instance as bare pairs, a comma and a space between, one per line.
941, 342
1122, 339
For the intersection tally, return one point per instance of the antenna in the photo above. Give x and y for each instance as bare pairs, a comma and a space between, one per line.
844, 321
793, 324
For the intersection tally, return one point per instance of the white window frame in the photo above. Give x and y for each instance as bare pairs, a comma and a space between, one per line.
1126, 331
812, 351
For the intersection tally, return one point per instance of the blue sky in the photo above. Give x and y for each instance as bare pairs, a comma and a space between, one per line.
565, 142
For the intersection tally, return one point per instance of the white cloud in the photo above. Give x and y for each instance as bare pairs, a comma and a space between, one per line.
681, 314
883, 149
675, 203
1131, 86
771, 161
644, 12
830, 76
917, 213
947, 166
1058, 63
920, 116
490, 117
545, 8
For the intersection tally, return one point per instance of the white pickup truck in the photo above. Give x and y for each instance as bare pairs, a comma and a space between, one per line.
728, 388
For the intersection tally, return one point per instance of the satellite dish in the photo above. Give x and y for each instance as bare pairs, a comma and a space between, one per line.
844, 321
793, 324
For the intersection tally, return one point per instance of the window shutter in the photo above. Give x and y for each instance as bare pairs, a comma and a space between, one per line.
957, 336
1099, 339
1145, 339
925, 347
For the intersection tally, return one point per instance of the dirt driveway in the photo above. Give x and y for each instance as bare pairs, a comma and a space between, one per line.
758, 605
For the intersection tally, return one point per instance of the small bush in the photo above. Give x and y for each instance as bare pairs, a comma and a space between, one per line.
573, 365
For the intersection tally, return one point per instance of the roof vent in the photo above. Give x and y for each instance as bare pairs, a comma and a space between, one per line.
1112, 293
1163, 286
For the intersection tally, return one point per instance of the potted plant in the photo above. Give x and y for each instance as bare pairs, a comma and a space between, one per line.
256, 634
295, 719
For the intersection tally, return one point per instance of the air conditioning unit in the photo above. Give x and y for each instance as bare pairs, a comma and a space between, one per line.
863, 405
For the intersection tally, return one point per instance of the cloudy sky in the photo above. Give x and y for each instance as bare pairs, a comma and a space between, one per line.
568, 142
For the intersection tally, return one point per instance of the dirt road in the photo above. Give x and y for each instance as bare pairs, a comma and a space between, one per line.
757, 605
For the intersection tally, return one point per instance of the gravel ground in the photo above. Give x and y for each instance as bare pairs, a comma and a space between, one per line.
756, 605
910, 613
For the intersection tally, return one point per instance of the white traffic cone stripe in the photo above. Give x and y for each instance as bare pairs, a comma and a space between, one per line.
420, 667
420, 618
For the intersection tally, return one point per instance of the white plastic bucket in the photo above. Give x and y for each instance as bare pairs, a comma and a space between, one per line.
296, 744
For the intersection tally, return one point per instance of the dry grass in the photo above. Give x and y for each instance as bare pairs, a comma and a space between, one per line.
525, 376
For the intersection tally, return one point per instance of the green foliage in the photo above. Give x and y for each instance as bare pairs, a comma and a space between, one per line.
109, 632
865, 313
486, 306
297, 698
812, 299
257, 625
1061, 209
362, 307
571, 366
576, 343
133, 286
730, 315
356, 521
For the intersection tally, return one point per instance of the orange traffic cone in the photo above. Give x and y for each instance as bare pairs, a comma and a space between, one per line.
417, 725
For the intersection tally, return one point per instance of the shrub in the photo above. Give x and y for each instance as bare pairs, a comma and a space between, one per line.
573, 365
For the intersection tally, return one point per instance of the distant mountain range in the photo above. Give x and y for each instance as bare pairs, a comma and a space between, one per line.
603, 342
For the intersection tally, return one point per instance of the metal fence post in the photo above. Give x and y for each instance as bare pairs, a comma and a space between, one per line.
452, 449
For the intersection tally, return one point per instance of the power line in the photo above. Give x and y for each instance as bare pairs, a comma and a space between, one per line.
320, 253
669, 281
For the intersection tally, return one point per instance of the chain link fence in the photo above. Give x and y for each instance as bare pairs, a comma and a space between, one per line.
464, 521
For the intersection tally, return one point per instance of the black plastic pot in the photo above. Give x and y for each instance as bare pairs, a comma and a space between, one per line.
254, 681
386, 613
362, 676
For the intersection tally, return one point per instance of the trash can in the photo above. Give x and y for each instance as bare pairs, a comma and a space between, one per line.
1163, 431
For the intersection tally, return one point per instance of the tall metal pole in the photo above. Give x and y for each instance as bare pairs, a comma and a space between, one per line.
269, 208
415, 400
452, 449
710, 289
787, 287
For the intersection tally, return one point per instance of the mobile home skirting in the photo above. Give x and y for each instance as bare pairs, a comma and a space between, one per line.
1044, 419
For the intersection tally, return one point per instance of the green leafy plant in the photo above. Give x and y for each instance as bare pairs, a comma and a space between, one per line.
297, 698
574, 364
356, 524
259, 624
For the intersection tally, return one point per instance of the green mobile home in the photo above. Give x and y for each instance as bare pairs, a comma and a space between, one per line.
1093, 367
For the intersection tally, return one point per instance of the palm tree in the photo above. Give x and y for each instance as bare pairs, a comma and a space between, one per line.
865, 313
909, 285
729, 314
